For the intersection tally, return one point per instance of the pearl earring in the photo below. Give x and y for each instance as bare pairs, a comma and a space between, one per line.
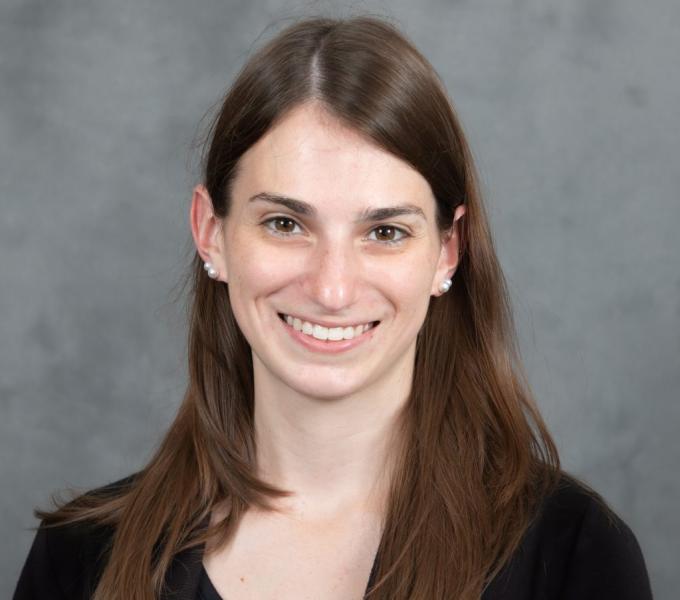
445, 286
211, 270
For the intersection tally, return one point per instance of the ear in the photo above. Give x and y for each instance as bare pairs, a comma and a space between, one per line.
450, 253
206, 229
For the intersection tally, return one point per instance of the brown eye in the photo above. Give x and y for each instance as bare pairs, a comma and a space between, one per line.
388, 234
284, 225
385, 233
281, 226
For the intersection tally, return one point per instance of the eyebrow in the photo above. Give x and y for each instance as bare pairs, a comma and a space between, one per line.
368, 215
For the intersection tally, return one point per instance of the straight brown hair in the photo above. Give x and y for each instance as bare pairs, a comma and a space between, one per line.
475, 459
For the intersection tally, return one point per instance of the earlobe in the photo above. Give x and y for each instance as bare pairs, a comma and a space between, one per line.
206, 230
450, 255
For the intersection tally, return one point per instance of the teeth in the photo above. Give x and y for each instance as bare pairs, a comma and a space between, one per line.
326, 333
320, 333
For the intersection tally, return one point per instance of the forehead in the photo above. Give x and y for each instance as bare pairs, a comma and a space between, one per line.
309, 155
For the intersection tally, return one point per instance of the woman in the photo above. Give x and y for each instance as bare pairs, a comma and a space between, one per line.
356, 422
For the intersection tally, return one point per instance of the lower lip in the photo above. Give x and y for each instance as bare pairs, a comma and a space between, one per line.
327, 346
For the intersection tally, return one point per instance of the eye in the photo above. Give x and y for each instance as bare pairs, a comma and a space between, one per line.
385, 234
389, 234
282, 226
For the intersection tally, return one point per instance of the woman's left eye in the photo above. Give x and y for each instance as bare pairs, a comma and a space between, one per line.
386, 234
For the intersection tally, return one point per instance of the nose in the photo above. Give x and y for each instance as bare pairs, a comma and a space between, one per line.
333, 275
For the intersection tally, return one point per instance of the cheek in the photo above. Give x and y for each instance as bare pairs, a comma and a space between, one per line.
252, 275
408, 278
253, 266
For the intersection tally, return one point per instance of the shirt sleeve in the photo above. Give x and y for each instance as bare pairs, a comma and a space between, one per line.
606, 562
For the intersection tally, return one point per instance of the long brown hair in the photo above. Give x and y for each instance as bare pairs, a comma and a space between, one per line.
476, 458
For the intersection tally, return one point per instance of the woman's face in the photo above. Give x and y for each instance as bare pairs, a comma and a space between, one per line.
332, 235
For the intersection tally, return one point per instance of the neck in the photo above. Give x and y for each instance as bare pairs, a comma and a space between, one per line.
336, 455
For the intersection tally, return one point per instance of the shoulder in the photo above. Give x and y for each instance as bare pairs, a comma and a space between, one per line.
65, 560
576, 548
578, 519
598, 553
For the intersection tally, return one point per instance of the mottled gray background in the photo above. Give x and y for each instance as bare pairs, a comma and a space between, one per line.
571, 109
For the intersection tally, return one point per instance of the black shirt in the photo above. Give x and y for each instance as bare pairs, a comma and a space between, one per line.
206, 590
571, 551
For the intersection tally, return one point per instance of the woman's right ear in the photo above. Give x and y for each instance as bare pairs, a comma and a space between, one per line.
206, 230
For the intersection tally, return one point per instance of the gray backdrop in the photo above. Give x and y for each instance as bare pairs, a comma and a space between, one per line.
571, 109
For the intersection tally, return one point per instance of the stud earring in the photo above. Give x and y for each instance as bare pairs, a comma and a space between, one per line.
211, 270
445, 286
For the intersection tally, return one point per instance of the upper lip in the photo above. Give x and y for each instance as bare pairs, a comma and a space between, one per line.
327, 323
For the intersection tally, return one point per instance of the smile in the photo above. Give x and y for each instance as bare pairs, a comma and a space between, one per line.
331, 334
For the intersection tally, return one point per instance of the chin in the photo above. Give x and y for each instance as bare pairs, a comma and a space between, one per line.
329, 388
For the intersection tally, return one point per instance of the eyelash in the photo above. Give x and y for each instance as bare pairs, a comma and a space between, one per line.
404, 234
